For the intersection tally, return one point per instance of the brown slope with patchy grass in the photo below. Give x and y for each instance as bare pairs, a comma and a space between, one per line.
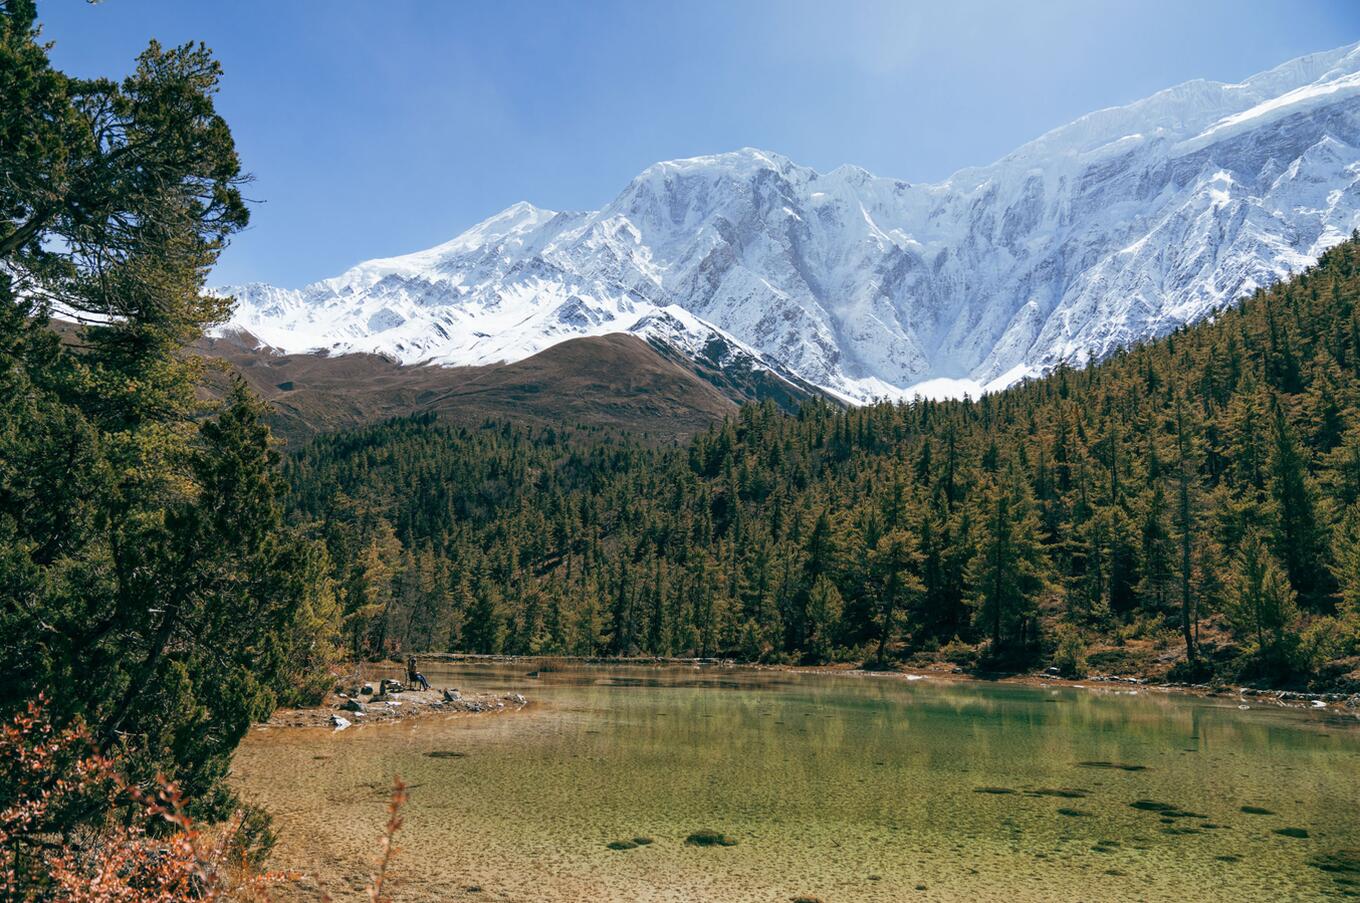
613, 381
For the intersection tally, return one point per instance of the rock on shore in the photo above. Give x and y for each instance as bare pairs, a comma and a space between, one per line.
355, 707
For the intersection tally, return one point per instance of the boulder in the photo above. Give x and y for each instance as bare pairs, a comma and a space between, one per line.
353, 705
339, 723
365, 690
451, 695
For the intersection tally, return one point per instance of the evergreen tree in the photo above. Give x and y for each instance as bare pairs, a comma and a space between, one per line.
1300, 536
1261, 605
369, 592
824, 613
1187, 528
147, 584
1009, 571
893, 565
484, 630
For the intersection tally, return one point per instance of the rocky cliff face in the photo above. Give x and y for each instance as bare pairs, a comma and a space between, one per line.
1118, 227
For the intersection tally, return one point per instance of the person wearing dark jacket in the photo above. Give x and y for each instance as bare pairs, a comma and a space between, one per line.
413, 676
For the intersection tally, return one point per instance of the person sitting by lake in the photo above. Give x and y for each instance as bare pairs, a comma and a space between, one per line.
413, 676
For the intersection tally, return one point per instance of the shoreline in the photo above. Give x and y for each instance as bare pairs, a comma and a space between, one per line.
343, 710
1344, 703
348, 707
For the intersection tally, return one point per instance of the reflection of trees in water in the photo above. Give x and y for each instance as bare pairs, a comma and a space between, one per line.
845, 738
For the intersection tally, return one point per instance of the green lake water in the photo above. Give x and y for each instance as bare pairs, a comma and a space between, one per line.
840, 787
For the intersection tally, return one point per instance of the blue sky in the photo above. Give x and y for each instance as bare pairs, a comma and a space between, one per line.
378, 128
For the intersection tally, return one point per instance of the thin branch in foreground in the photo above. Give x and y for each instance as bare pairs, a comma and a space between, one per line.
388, 850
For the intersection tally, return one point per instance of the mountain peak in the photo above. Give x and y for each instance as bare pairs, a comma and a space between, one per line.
1119, 226
1185, 110
742, 161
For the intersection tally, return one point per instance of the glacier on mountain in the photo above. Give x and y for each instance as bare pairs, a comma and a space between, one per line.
1120, 226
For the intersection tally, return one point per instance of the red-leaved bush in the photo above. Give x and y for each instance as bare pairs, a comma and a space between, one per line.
73, 831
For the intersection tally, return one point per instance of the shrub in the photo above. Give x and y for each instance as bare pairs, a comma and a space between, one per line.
137, 845
1325, 639
960, 653
1069, 656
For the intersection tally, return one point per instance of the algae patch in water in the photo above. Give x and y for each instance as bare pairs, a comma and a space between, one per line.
1256, 810
1337, 862
621, 845
1301, 833
1168, 811
1065, 793
706, 837
445, 754
1119, 766
993, 790
1344, 868
1152, 806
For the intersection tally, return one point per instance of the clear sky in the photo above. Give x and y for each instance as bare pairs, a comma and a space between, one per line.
379, 128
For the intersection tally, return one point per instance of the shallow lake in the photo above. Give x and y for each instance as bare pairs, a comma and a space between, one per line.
840, 787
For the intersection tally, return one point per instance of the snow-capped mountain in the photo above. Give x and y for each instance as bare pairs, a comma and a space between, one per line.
1117, 227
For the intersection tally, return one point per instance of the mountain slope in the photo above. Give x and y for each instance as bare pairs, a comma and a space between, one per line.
616, 382
1117, 227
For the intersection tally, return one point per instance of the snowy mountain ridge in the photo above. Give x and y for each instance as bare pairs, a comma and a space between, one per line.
1117, 227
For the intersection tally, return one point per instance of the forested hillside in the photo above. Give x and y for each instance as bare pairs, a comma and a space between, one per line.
1195, 496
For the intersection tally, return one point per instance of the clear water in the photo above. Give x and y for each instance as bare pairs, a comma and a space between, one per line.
840, 787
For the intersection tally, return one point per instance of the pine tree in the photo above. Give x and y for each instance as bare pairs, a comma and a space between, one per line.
147, 584
368, 594
893, 566
1262, 606
1187, 463
1009, 572
824, 613
1300, 537
1157, 552
484, 631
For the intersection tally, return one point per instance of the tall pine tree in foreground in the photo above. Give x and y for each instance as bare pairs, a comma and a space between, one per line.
147, 584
